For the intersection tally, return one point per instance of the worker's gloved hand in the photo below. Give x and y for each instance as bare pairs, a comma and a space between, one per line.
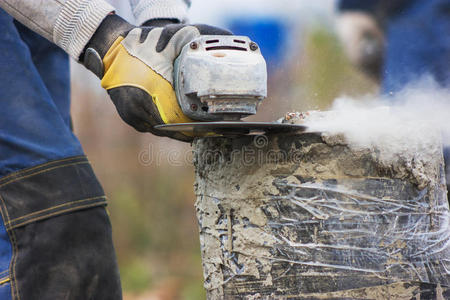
363, 41
136, 68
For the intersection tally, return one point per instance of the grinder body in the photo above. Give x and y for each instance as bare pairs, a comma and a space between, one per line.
220, 78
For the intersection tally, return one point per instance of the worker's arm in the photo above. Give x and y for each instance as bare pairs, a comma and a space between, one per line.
135, 64
71, 23
68, 23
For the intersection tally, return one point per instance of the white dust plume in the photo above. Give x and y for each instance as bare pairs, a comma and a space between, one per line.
409, 121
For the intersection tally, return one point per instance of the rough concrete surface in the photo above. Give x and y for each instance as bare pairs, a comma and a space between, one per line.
305, 216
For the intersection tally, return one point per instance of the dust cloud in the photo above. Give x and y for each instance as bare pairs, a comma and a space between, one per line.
402, 123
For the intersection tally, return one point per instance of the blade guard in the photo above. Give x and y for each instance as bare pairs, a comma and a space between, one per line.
220, 77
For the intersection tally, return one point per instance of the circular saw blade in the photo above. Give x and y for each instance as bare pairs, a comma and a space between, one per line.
231, 128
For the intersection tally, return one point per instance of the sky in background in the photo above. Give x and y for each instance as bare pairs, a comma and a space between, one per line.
217, 12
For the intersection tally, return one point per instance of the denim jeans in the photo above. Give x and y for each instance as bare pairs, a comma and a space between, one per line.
55, 234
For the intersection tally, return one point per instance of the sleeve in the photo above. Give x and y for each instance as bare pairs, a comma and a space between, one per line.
145, 10
68, 23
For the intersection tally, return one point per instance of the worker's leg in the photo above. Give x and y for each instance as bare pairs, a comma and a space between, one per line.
55, 235
52, 64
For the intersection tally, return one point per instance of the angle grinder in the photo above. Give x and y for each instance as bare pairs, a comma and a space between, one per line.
218, 81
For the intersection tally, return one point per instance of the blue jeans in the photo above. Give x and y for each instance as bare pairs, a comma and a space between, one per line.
55, 235
35, 96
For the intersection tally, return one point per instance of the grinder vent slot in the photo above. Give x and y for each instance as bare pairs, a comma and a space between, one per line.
225, 48
212, 41
239, 41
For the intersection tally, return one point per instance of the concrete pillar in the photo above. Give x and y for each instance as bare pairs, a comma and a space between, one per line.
306, 216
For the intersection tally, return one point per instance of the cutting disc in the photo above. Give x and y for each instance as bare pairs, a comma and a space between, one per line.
231, 128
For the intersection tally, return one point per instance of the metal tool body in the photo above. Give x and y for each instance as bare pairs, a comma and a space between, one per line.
218, 81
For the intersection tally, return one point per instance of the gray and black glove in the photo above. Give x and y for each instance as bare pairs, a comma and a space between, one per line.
136, 68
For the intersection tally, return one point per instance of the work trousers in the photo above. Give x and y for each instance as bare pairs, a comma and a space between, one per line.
55, 234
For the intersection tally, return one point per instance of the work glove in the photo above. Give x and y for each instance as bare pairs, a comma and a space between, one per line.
135, 65
363, 41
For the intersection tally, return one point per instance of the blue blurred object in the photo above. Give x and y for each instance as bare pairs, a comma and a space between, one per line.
269, 33
417, 39
418, 44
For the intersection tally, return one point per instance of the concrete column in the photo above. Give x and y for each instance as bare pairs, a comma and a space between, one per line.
306, 216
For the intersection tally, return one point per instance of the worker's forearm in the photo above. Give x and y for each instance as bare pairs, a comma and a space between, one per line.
68, 23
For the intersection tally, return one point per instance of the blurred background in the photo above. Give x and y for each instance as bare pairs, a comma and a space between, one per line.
149, 180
